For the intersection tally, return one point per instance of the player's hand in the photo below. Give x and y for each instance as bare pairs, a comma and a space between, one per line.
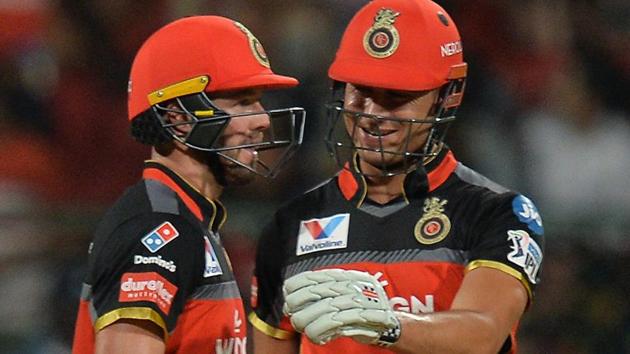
330, 303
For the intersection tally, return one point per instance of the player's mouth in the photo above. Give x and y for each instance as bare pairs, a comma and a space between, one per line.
252, 153
378, 132
248, 156
377, 137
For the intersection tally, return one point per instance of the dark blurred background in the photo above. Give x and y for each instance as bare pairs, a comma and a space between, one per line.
547, 112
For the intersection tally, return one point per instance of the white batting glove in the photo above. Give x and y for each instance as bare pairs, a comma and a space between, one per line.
330, 303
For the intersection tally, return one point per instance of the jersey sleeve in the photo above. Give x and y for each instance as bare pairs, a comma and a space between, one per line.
267, 299
509, 236
145, 269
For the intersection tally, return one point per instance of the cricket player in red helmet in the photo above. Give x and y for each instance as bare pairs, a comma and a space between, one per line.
405, 250
158, 277
394, 51
209, 64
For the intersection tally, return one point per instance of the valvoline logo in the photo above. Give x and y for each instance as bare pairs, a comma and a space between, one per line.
318, 232
323, 234
160, 236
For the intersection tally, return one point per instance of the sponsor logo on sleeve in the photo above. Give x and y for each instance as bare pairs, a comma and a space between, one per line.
157, 260
527, 213
160, 236
525, 253
213, 267
149, 286
323, 234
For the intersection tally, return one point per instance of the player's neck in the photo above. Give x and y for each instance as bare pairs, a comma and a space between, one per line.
382, 190
196, 172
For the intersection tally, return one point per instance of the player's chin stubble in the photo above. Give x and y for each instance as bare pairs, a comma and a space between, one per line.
236, 175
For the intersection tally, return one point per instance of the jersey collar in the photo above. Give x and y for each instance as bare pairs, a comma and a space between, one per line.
211, 213
417, 184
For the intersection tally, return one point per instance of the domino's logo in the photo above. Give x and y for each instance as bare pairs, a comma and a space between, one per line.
323, 234
160, 236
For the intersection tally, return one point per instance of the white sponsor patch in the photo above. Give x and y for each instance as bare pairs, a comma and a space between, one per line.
213, 267
525, 253
452, 48
157, 260
323, 234
160, 236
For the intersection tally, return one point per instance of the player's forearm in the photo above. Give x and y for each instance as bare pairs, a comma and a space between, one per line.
264, 344
142, 336
449, 332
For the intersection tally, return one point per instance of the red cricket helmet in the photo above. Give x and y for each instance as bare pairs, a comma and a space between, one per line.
196, 54
188, 58
410, 45
405, 45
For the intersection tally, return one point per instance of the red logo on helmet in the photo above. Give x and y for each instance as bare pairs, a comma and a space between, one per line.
254, 45
382, 39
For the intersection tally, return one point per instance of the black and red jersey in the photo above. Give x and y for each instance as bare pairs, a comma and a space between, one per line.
157, 256
449, 221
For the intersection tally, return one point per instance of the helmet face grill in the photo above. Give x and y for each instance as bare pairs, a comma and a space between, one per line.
278, 144
206, 121
344, 125
207, 124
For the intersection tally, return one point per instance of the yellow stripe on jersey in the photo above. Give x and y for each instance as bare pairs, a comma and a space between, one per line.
267, 329
135, 313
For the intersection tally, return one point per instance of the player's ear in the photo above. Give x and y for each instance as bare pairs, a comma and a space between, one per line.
173, 116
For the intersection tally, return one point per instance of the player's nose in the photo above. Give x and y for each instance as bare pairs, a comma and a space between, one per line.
259, 122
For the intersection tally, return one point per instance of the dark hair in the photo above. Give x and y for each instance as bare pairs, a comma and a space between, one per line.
147, 129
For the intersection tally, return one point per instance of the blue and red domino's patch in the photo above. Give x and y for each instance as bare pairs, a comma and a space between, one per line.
160, 236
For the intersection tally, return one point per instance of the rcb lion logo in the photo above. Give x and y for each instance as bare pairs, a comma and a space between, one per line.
382, 39
433, 226
254, 44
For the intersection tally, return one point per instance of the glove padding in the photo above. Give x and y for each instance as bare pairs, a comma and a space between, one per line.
330, 303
